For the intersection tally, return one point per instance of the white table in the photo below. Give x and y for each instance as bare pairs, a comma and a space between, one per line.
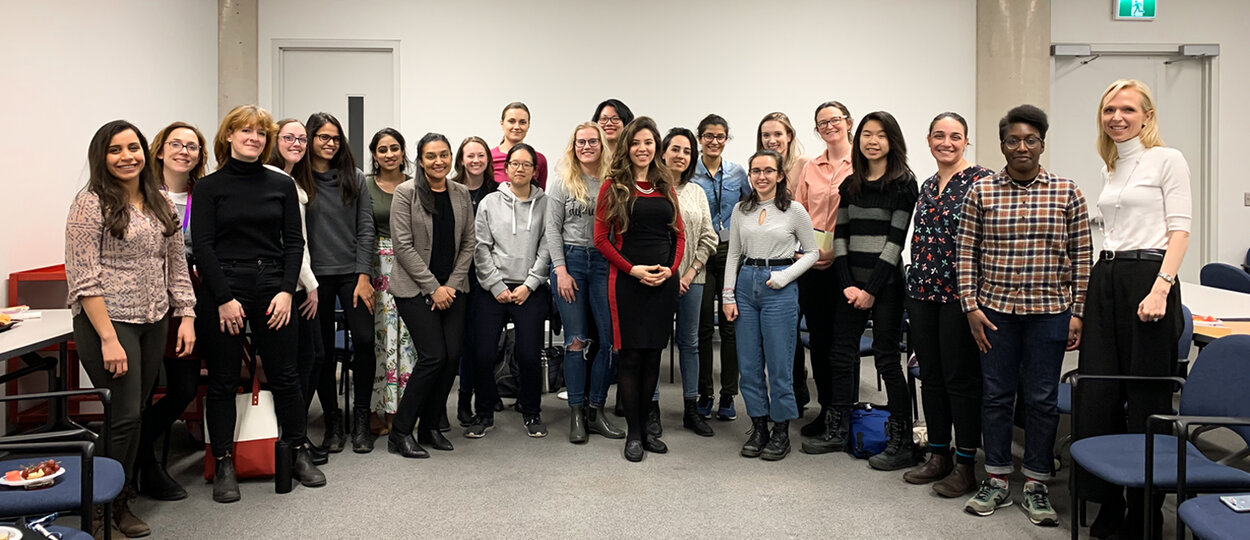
1219, 303
55, 327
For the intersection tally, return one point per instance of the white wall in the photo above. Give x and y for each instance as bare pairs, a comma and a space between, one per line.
71, 66
673, 61
1191, 21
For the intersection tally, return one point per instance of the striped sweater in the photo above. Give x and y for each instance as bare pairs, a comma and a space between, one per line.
871, 231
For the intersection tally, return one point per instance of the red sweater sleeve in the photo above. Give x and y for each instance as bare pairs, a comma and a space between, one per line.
602, 229
681, 237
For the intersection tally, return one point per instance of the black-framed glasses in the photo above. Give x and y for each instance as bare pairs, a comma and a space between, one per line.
520, 165
767, 171
610, 120
1031, 142
582, 143
291, 139
715, 137
824, 124
178, 146
327, 138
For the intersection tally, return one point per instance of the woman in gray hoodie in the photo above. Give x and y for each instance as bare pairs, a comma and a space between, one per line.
512, 265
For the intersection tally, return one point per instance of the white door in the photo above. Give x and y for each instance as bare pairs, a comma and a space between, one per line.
1070, 144
356, 85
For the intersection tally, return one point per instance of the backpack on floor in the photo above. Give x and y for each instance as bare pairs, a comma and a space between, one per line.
868, 433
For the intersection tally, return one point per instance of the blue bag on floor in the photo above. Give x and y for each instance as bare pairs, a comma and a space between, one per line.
868, 435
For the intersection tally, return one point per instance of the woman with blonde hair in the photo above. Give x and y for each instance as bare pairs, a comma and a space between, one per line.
1133, 315
776, 133
579, 279
248, 250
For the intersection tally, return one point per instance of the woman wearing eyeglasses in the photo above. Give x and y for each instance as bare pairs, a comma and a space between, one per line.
512, 263
761, 300
776, 133
515, 121
816, 188
579, 278
341, 242
612, 115
638, 229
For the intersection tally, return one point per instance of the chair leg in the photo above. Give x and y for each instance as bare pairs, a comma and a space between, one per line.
1078, 505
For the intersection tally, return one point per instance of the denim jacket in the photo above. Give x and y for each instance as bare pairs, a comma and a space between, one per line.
723, 192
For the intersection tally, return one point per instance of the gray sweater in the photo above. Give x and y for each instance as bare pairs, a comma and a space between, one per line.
340, 236
569, 222
510, 246
773, 237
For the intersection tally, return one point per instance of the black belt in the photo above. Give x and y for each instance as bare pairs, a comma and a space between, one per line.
257, 263
767, 262
1131, 255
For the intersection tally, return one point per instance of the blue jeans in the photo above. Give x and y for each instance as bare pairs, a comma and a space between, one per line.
1026, 355
687, 337
766, 328
589, 271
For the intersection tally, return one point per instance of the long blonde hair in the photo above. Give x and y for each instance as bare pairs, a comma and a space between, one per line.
1149, 133
570, 168
794, 150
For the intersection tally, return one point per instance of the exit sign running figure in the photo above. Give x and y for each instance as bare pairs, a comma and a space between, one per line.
1133, 10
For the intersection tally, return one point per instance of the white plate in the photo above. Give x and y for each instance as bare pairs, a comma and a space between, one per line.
14, 534
37, 481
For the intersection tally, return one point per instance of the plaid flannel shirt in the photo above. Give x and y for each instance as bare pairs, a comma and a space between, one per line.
1024, 250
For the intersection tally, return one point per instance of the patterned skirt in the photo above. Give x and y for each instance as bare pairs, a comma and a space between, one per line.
393, 345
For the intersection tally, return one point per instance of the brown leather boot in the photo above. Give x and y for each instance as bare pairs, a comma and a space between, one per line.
99, 522
127, 522
961, 481
936, 468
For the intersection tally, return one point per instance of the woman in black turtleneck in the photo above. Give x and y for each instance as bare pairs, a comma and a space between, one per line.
248, 247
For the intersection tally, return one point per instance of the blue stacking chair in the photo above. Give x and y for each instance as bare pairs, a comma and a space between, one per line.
1213, 395
1210, 519
88, 479
1225, 276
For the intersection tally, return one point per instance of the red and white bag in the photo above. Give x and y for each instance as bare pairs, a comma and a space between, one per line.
255, 432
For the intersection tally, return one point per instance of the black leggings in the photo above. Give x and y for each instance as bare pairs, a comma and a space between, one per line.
638, 376
360, 324
182, 380
950, 372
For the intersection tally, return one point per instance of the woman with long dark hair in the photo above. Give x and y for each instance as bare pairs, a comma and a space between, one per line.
638, 229
341, 241
126, 269
432, 223
475, 170
877, 201
248, 248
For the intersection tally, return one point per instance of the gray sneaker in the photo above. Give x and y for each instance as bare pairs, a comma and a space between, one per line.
992, 495
1037, 505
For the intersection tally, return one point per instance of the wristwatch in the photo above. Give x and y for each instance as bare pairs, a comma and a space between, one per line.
1168, 278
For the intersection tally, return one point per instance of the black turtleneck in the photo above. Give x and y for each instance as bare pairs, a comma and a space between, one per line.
245, 212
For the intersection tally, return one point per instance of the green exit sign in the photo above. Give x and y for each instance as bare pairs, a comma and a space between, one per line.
1133, 10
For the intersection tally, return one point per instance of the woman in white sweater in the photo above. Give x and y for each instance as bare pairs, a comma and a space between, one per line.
763, 300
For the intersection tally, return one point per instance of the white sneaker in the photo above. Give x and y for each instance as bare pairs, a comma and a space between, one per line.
564, 395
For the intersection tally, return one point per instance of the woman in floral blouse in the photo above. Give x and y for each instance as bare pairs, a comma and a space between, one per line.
949, 364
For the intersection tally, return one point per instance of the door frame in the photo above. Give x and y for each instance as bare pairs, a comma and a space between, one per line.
1206, 198
281, 46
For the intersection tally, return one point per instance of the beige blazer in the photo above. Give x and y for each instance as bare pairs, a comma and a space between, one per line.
412, 231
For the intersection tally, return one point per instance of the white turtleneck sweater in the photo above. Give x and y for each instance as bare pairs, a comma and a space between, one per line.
1145, 198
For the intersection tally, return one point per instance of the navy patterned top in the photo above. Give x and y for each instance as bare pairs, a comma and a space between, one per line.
931, 277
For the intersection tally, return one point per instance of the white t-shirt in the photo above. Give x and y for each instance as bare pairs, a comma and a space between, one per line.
1145, 198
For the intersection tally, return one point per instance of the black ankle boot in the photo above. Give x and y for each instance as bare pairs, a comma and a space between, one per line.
464, 409
816, 427
405, 445
305, 471
362, 438
691, 420
318, 454
653, 420
597, 422
434, 439
900, 450
225, 485
837, 431
155, 482
778, 442
333, 441
757, 438
577, 424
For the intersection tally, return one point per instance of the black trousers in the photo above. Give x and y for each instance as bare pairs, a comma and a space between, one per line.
182, 382
490, 319
1114, 341
709, 313
950, 371
818, 293
887, 322
438, 335
144, 345
254, 286
360, 324
311, 351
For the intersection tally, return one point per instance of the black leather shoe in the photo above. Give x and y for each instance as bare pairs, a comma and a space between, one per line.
652, 443
692, 421
305, 471
318, 454
225, 485
757, 438
654, 428
405, 445
633, 451
362, 438
778, 446
333, 441
434, 439
155, 482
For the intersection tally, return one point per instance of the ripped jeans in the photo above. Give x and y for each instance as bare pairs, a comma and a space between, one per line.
589, 271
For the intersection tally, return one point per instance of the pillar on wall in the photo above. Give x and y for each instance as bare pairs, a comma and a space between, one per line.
236, 54
1013, 66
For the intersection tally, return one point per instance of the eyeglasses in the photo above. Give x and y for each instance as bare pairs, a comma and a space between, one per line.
610, 120
291, 139
767, 171
715, 137
178, 146
327, 138
824, 124
520, 165
1014, 142
581, 143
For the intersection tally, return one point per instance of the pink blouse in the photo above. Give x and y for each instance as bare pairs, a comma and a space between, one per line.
139, 276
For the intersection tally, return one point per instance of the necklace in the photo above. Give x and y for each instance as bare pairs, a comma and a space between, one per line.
647, 191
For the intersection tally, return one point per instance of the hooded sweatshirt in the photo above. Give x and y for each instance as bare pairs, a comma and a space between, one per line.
510, 247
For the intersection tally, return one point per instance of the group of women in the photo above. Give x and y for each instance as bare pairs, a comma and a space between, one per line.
432, 253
